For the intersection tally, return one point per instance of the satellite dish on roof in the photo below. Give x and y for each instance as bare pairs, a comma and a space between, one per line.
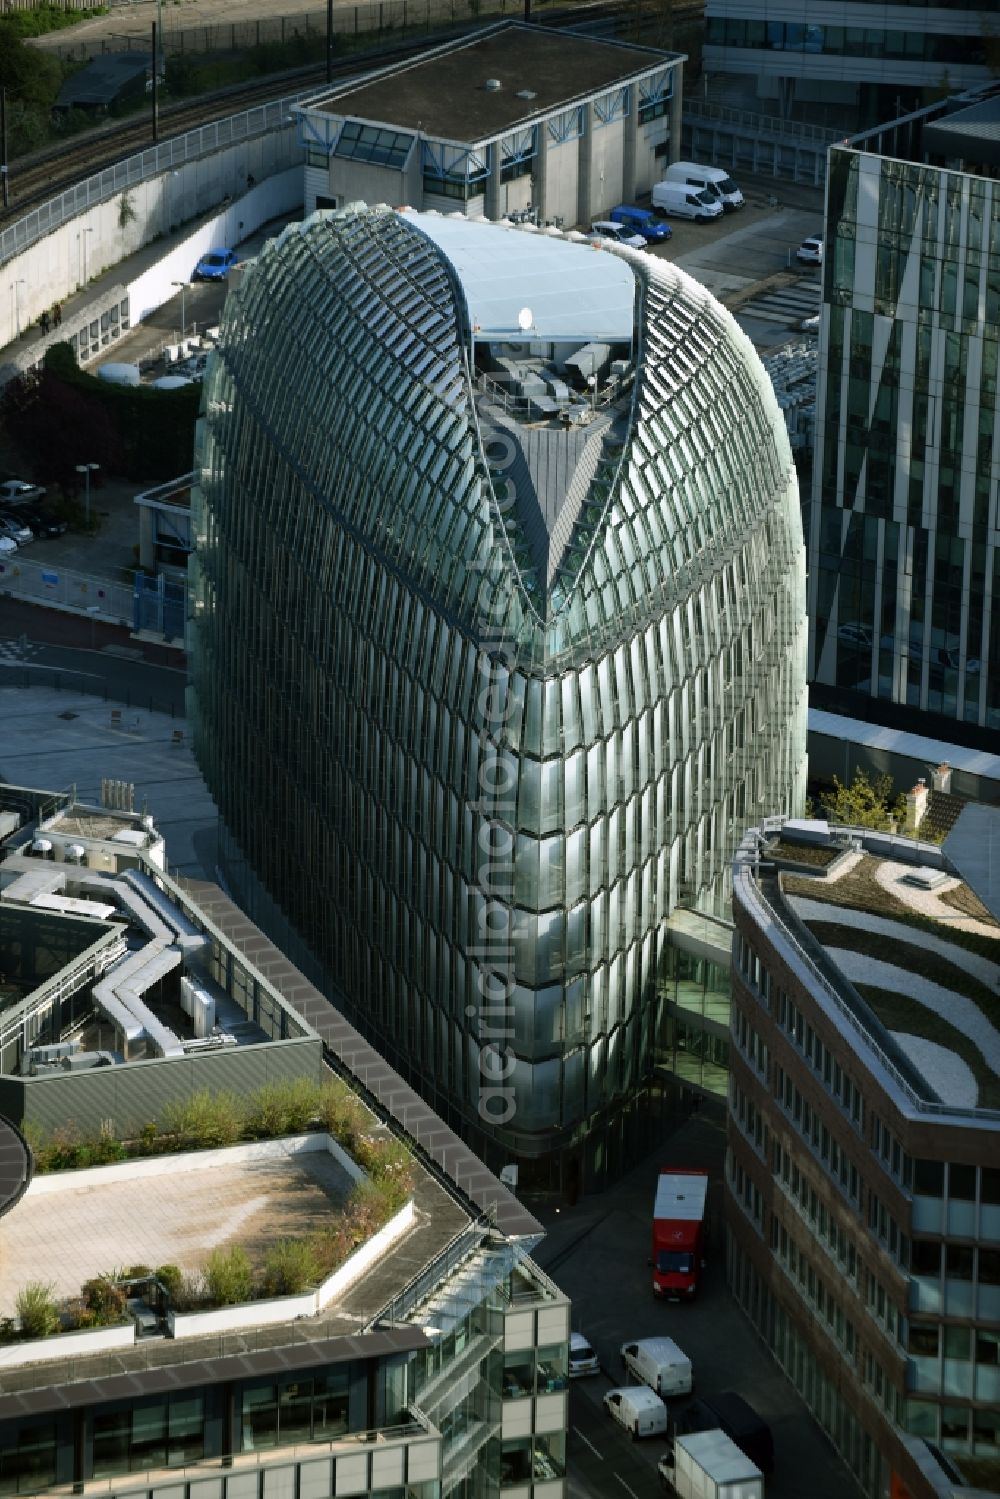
525, 319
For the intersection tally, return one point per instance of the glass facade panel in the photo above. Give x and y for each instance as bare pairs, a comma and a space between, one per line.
904, 562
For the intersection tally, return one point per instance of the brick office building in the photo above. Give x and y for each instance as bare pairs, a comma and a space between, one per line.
863, 1175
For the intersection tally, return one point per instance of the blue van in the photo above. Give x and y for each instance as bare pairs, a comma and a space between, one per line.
642, 221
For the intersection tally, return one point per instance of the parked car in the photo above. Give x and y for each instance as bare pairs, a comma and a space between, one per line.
46, 526
582, 1358
642, 1413
607, 229
810, 252
642, 221
20, 492
215, 266
16, 530
682, 202
7, 547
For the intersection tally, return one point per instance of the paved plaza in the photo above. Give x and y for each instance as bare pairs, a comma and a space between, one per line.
58, 739
65, 1238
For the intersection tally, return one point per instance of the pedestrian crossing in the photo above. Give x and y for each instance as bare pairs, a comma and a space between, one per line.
787, 305
18, 652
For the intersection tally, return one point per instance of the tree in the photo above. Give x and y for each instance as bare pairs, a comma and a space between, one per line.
864, 803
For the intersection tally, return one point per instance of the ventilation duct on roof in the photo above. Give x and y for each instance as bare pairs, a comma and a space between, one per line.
493, 84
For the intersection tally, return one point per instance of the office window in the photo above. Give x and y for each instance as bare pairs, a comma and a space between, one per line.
27, 1459
153, 1434
300, 1410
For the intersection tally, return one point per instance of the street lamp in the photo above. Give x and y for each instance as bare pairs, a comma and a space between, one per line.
183, 286
86, 469
17, 305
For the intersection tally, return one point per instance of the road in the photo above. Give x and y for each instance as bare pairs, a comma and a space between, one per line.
44, 647
598, 1253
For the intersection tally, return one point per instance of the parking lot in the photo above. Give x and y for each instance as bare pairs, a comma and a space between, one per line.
597, 1253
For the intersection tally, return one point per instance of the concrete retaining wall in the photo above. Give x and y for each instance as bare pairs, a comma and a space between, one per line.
87, 246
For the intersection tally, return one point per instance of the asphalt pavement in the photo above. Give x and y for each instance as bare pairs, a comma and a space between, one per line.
598, 1254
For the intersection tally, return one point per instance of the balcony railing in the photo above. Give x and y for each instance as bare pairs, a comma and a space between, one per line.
124, 1486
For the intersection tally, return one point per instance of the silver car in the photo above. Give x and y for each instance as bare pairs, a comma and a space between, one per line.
15, 530
608, 229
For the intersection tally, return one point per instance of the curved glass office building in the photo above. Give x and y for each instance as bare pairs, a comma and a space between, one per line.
498, 644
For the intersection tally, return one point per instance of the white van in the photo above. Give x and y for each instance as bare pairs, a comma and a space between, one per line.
709, 179
659, 1363
642, 1413
675, 201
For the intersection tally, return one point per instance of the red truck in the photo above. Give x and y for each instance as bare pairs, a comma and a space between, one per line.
679, 1232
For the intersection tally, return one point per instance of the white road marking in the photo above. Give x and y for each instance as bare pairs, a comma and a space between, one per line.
626, 1486
589, 1443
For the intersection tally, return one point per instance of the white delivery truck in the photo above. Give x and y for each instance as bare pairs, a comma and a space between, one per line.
642, 1413
659, 1363
709, 1465
706, 179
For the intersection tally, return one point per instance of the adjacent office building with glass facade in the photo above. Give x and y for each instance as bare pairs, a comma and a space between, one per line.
904, 562
875, 60
498, 645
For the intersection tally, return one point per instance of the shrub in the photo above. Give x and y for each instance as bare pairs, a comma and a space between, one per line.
228, 1276
171, 1278
283, 1108
206, 1120
106, 1300
290, 1267
38, 1313
341, 1113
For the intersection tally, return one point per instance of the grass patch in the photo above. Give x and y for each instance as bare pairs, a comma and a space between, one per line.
44, 18
898, 1012
859, 890
818, 858
208, 1121
968, 903
913, 959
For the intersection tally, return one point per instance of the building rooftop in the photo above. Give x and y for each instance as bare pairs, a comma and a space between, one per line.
970, 134
444, 94
574, 292
904, 946
196, 1203
161, 1209
962, 130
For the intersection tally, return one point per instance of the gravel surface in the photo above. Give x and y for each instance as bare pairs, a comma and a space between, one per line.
929, 902
954, 1082
970, 962
964, 1014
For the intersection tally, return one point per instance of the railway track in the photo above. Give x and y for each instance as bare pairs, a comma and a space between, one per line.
35, 179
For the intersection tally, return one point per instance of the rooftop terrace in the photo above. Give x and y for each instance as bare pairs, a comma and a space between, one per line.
908, 946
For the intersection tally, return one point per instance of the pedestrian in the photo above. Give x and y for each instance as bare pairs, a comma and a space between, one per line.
43, 322
250, 182
57, 315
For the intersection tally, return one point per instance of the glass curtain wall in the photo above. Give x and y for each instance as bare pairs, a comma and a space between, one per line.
904, 560
477, 793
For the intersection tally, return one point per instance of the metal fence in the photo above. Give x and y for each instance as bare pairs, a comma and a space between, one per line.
375, 20
263, 119
110, 686
49, 584
746, 121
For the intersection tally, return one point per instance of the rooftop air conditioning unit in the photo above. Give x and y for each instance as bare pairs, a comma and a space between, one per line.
493, 84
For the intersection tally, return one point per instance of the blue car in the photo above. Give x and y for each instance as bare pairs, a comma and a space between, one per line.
642, 221
215, 266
